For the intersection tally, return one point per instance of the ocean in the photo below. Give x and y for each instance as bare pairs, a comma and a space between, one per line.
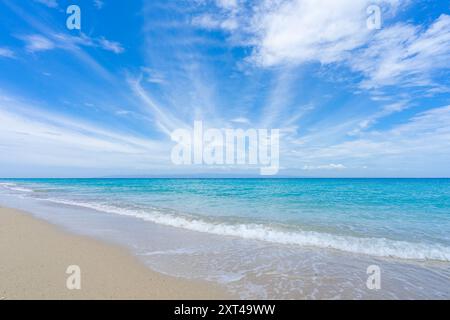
264, 238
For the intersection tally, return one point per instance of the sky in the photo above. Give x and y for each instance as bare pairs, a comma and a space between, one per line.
349, 100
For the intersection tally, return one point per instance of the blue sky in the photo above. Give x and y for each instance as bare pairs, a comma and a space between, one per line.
101, 101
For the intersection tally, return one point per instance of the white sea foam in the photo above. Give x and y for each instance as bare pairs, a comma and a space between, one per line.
380, 247
21, 189
14, 187
7, 184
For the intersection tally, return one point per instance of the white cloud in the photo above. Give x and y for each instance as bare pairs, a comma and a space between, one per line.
165, 119
293, 32
227, 4
35, 42
123, 112
211, 22
423, 139
6, 53
48, 3
241, 120
405, 54
423, 124
206, 21
331, 166
385, 111
301, 31
153, 76
32, 137
66, 42
109, 45
98, 4
226, 18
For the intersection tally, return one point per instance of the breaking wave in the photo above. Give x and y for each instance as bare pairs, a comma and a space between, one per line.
379, 247
14, 187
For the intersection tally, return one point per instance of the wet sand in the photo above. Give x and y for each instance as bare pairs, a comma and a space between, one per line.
35, 255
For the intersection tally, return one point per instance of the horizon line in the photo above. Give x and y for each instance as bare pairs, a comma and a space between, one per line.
217, 177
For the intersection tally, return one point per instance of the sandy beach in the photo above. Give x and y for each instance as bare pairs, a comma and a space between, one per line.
34, 256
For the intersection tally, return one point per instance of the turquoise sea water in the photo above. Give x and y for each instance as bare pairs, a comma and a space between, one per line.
403, 221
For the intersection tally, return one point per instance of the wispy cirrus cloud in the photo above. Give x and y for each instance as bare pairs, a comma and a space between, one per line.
299, 31
109, 45
39, 42
341, 94
99, 4
36, 43
165, 120
6, 52
335, 32
241, 120
404, 148
211, 22
48, 3
330, 166
385, 111
405, 54
49, 139
153, 76
227, 4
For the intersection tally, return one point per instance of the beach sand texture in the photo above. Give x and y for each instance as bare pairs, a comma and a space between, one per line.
34, 256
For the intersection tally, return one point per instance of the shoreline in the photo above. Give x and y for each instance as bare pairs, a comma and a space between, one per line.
35, 255
199, 264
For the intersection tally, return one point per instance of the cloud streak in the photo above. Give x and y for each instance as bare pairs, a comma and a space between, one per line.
36, 43
6, 52
48, 139
48, 3
335, 32
405, 55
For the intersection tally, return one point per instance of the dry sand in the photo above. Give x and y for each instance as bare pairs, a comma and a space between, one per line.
34, 256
